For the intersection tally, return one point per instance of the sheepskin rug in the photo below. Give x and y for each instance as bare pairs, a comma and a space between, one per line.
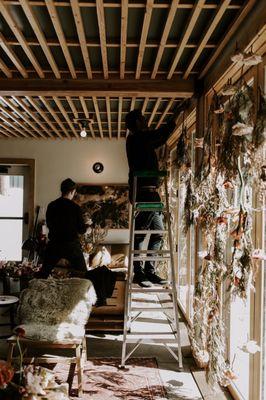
56, 309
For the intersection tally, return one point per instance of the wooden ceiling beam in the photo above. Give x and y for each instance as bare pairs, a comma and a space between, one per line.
187, 32
229, 34
63, 111
220, 12
55, 116
167, 108
18, 122
61, 36
98, 116
144, 35
72, 106
102, 35
43, 115
144, 105
11, 54
40, 36
120, 104
84, 106
10, 131
87, 4
5, 69
123, 36
81, 35
20, 37
108, 111
155, 108
97, 88
21, 103
167, 28
22, 116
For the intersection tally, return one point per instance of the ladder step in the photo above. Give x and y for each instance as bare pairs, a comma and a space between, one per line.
150, 252
158, 339
151, 309
151, 205
150, 290
145, 231
165, 258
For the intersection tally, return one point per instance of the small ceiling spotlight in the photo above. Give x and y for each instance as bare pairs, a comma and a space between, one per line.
98, 167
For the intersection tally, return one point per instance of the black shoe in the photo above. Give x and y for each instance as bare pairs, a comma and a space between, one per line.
141, 279
155, 278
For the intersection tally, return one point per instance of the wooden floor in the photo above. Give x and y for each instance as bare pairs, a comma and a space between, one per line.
190, 384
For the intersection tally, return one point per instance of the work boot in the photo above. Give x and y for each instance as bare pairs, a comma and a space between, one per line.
152, 277
141, 279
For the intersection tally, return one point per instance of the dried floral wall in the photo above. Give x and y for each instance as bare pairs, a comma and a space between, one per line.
218, 207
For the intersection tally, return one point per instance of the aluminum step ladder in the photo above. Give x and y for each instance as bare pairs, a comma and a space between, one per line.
132, 313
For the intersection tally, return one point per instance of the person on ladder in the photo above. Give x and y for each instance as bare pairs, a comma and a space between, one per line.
141, 148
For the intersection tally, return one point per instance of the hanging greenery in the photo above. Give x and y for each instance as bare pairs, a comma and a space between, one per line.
236, 163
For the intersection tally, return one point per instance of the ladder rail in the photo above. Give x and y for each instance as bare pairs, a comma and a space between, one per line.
143, 255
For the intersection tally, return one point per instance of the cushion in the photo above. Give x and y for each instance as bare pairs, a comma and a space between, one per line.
100, 258
56, 309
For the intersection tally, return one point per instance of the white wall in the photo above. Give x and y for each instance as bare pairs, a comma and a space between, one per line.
57, 160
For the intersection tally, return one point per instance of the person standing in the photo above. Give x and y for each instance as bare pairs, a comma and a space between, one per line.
65, 222
141, 148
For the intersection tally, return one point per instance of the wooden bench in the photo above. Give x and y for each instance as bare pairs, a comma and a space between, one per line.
78, 345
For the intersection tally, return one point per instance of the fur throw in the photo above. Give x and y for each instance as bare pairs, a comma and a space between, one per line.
53, 309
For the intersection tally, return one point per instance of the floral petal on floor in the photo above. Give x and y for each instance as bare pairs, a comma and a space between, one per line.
102, 379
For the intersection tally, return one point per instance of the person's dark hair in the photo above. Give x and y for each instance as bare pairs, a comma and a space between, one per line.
131, 119
67, 186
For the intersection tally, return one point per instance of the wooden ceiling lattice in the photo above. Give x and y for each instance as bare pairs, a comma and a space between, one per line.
134, 41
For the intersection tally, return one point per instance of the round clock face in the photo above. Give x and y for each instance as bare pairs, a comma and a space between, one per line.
97, 167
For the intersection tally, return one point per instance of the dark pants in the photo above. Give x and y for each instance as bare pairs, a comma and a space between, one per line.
71, 251
149, 220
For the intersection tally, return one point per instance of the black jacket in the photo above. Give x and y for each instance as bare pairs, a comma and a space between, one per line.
64, 220
141, 154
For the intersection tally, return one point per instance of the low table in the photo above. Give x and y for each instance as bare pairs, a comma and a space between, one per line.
11, 302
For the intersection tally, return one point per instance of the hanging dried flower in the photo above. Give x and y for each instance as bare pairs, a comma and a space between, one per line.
241, 129
198, 142
6, 374
251, 59
251, 347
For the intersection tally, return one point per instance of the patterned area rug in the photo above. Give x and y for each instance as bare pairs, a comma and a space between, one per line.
103, 380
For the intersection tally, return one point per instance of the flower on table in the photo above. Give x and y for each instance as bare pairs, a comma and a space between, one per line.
6, 374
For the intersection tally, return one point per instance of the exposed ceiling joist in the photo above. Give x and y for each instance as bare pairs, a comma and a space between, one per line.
189, 28
167, 28
21, 39
167, 108
63, 111
81, 35
113, 87
102, 35
207, 35
247, 8
55, 116
155, 108
123, 37
60, 34
98, 116
120, 104
109, 120
144, 35
12, 55
5, 69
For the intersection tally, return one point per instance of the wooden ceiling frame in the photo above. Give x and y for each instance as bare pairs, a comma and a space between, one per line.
98, 116
120, 105
72, 106
102, 35
11, 54
230, 32
21, 39
123, 38
54, 115
20, 102
10, 133
17, 121
167, 108
81, 35
44, 116
5, 69
22, 116
144, 35
61, 36
155, 108
109, 119
188, 30
217, 18
65, 115
168, 25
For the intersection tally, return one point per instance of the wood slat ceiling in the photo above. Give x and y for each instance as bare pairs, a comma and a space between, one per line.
132, 40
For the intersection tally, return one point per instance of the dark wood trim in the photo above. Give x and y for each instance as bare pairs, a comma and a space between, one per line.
113, 87
29, 162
